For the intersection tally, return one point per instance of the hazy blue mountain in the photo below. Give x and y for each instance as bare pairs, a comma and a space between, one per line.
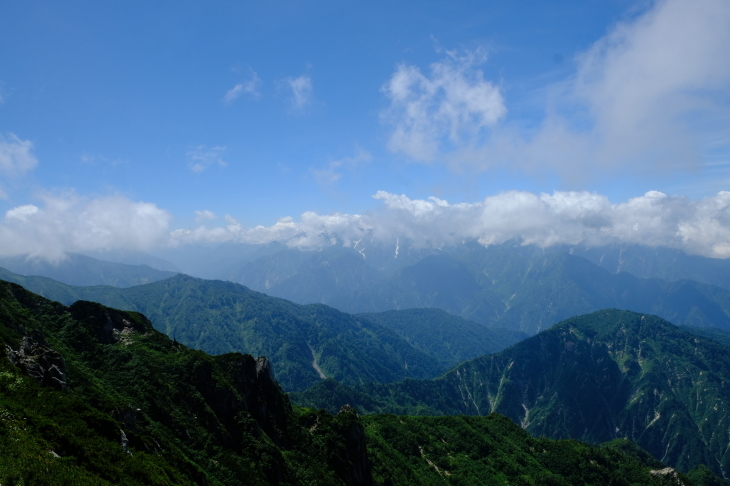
663, 263
510, 285
607, 375
524, 289
220, 261
308, 276
78, 269
130, 257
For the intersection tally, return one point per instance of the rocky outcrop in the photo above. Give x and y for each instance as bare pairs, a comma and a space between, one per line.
38, 361
356, 453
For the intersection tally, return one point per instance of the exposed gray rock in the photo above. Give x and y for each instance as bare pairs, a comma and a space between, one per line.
40, 362
264, 368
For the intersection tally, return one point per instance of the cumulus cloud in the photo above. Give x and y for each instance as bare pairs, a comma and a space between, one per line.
653, 94
447, 109
16, 157
301, 90
654, 219
69, 223
250, 87
333, 171
202, 157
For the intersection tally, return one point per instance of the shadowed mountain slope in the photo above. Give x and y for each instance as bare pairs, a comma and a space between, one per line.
610, 374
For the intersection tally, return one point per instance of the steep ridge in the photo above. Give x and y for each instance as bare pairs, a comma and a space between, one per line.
610, 374
220, 317
92, 395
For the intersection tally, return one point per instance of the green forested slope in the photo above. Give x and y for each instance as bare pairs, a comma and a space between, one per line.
610, 374
493, 450
91, 395
220, 317
448, 338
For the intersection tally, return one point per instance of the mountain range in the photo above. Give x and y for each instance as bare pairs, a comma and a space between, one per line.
607, 375
76, 269
520, 287
93, 395
305, 343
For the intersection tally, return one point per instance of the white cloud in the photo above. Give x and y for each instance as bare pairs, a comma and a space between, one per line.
250, 87
653, 85
333, 171
301, 89
697, 227
652, 95
16, 157
201, 157
204, 216
448, 109
70, 223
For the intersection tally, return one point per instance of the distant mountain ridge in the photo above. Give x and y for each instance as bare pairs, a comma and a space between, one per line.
82, 270
520, 287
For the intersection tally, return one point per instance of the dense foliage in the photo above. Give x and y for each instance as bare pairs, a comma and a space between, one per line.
493, 450
610, 374
303, 342
134, 407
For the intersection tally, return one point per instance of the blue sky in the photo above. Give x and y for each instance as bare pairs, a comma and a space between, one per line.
185, 111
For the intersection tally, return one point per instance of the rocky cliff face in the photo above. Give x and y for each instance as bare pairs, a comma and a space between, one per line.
40, 362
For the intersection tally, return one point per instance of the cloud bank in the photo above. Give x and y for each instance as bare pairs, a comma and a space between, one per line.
71, 223
654, 219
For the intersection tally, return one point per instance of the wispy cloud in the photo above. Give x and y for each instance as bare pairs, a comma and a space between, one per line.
204, 216
650, 95
16, 156
698, 227
301, 91
202, 157
333, 171
250, 86
443, 111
